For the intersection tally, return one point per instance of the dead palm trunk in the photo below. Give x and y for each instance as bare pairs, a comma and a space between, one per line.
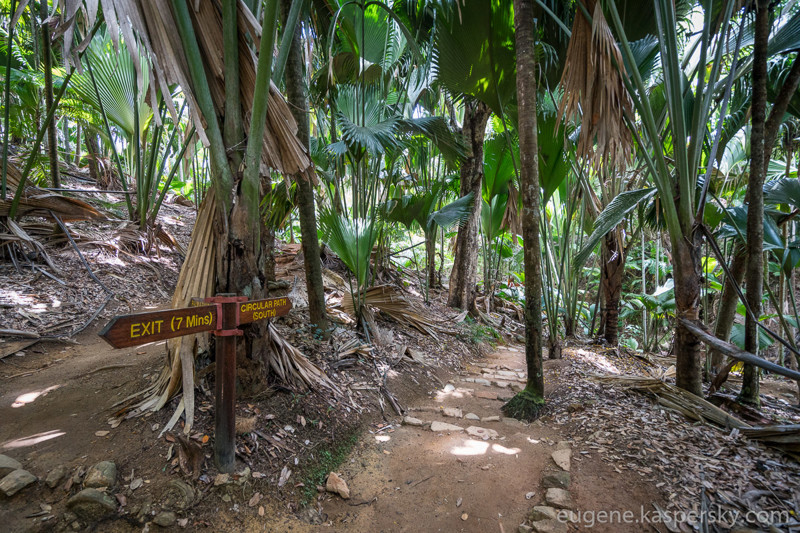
47, 65
528, 403
298, 103
465, 263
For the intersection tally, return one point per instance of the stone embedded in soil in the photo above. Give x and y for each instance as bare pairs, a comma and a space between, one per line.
524, 529
486, 395
494, 418
437, 427
559, 498
482, 433
165, 519
337, 485
449, 387
558, 480
481, 381
472, 416
411, 421
550, 526
8, 465
55, 476
103, 474
452, 412
178, 496
16, 481
92, 504
542, 512
562, 458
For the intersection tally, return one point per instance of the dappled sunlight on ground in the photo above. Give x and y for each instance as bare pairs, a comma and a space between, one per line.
30, 440
597, 360
30, 397
442, 395
478, 447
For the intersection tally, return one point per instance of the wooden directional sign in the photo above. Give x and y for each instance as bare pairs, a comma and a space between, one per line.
141, 328
261, 309
222, 314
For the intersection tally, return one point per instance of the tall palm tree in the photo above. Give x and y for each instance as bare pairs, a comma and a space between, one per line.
528, 403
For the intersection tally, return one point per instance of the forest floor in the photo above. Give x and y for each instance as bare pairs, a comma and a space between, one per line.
634, 465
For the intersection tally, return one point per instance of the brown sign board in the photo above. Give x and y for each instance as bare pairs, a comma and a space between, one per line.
261, 309
141, 328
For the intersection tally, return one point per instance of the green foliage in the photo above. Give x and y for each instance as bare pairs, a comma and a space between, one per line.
327, 460
352, 240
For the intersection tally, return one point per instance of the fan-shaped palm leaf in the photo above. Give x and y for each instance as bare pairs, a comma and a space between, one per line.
116, 82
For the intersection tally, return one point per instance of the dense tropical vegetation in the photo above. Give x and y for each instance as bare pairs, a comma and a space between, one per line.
620, 170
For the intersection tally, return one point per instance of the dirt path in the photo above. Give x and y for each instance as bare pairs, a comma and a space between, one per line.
409, 478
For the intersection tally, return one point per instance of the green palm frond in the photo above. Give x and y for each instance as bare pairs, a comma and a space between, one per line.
352, 240
364, 120
611, 216
116, 82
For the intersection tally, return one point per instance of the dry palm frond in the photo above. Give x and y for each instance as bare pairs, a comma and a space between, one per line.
40, 203
20, 239
392, 303
354, 346
292, 367
594, 89
672, 397
195, 280
786, 437
783, 437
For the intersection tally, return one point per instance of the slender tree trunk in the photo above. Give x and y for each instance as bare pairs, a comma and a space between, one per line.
686, 268
67, 143
92, 153
298, 102
611, 270
47, 65
529, 166
755, 208
465, 264
728, 304
78, 130
430, 255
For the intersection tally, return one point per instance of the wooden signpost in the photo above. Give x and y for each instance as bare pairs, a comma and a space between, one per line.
222, 315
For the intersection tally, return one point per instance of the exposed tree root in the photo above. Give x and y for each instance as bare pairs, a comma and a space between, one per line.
524, 406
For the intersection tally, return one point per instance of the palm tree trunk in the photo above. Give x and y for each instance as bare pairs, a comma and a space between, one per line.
611, 270
298, 103
465, 263
430, 255
47, 65
755, 208
528, 403
78, 130
686, 269
728, 304
92, 153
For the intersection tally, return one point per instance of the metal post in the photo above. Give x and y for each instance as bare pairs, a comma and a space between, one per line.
225, 382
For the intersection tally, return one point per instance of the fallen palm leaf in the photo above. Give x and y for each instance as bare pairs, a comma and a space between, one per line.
392, 303
292, 367
782, 437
